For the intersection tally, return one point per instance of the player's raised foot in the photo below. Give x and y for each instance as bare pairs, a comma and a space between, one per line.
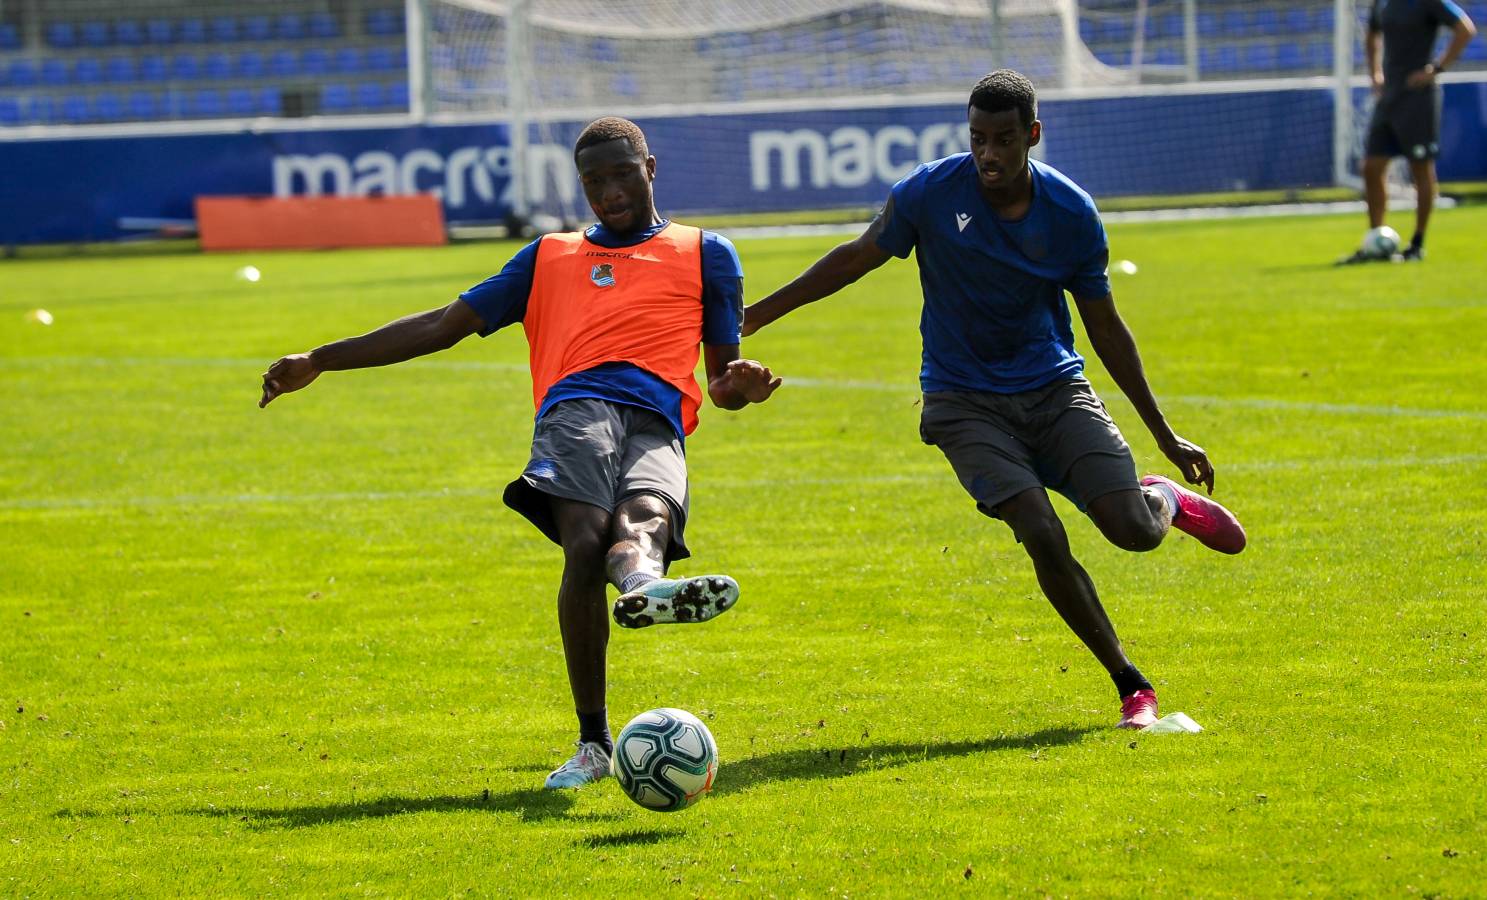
1214, 527
1138, 710
587, 766
668, 600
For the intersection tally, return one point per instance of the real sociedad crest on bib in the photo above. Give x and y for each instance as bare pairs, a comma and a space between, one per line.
602, 275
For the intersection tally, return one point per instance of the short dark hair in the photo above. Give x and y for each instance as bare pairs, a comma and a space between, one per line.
1005, 89
611, 128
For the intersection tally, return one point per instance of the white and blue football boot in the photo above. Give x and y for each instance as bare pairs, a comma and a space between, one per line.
587, 766
667, 600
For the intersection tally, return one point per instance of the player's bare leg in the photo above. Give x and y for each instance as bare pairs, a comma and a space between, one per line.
1132, 520
584, 625
1374, 168
1069, 588
1423, 172
641, 530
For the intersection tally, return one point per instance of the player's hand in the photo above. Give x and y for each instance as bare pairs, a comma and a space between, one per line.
288, 374
1421, 77
1190, 460
751, 380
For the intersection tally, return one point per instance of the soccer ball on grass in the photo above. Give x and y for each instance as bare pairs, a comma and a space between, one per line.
665, 759
1381, 242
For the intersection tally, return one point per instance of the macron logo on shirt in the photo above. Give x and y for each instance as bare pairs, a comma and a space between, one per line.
962, 220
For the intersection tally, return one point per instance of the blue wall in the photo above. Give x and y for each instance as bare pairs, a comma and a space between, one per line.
79, 189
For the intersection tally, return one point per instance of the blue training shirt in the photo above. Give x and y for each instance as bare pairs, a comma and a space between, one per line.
995, 318
501, 300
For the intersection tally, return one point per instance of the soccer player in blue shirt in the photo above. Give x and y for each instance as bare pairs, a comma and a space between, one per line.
1000, 237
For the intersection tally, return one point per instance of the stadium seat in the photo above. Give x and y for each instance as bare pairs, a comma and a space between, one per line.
1222, 59
1258, 57
397, 95
94, 34
160, 31
1319, 54
385, 59
604, 50
143, 105
225, 29
270, 102
1165, 55
323, 25
61, 34
290, 27
129, 33
54, 72
336, 98
1321, 19
153, 68
283, 63
75, 110
370, 95
1209, 25
1268, 22
384, 22
1477, 49
185, 67
315, 62
43, 109
217, 65
10, 39
250, 64
1235, 23
793, 78
241, 103
22, 73
192, 31
258, 28
346, 61
625, 85
107, 108
769, 43
119, 70
1290, 57
1297, 21
10, 111
87, 71
206, 104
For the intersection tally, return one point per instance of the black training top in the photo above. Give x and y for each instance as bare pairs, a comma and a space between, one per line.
1410, 28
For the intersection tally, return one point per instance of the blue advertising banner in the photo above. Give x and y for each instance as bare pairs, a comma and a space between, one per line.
87, 189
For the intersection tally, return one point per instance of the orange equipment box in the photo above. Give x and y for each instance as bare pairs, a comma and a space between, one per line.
263, 223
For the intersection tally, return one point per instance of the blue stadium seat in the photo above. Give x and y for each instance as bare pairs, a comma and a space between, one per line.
1477, 49
1121, 57
10, 111
61, 34
384, 22
1258, 57
269, 102
129, 33
1319, 54
22, 73
1168, 25
336, 98
241, 103
94, 34
1235, 23
43, 109
604, 50
793, 78
370, 95
10, 39
1209, 25
323, 25
251, 64
185, 67
315, 61
625, 85
143, 105
1321, 19
75, 111
107, 108
889, 73
206, 104
53, 72
160, 31
1268, 22
217, 65
1222, 59
760, 80
290, 27
1165, 55
225, 29
192, 31
397, 95
1290, 57
769, 42
384, 59
87, 71
347, 60
258, 28
283, 63
1297, 21
153, 68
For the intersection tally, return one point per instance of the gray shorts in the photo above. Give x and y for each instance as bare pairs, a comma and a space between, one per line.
602, 454
1058, 437
1406, 123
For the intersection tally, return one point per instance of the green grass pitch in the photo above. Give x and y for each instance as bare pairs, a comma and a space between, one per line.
306, 650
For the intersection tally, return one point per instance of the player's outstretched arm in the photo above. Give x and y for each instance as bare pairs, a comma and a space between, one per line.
1116, 346
841, 266
404, 339
734, 383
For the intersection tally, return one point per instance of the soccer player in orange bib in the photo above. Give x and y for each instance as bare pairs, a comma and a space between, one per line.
613, 316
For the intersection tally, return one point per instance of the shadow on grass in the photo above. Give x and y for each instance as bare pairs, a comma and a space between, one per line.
628, 838
796, 765
531, 804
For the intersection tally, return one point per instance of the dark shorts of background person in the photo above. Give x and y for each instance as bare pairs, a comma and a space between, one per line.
602, 454
1058, 437
1406, 123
